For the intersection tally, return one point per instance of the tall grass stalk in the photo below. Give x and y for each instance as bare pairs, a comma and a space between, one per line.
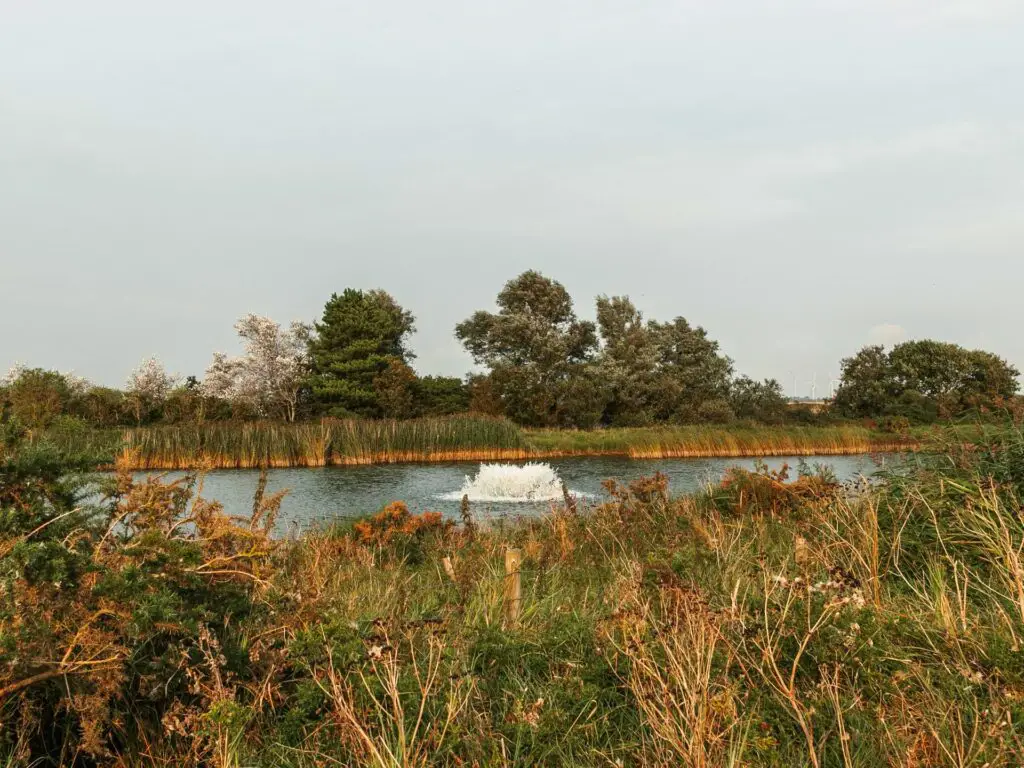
469, 438
331, 442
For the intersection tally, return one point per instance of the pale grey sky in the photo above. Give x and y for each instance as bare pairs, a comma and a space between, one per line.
801, 177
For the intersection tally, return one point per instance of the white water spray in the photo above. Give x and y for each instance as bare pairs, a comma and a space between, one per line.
511, 483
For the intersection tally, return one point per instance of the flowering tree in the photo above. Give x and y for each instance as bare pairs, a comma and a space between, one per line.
148, 386
13, 374
270, 373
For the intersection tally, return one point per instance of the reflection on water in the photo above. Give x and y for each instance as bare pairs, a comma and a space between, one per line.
340, 492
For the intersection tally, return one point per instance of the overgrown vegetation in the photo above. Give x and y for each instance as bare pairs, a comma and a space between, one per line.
734, 440
648, 389
924, 381
774, 620
541, 366
351, 441
231, 445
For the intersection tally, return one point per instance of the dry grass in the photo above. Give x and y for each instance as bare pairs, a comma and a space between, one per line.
469, 438
765, 622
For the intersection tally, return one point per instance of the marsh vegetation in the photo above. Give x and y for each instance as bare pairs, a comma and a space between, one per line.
772, 619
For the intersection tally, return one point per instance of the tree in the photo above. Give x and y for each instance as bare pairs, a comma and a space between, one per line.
989, 377
758, 400
923, 380
694, 372
866, 384
395, 388
441, 395
148, 387
659, 371
35, 396
102, 407
539, 355
190, 402
359, 336
629, 362
269, 376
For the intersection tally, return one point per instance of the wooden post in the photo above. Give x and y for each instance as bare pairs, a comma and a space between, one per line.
449, 568
513, 585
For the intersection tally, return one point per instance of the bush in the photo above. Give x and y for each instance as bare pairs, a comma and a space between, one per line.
120, 619
715, 412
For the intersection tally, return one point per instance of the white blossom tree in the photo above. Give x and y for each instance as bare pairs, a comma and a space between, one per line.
270, 373
148, 386
77, 385
13, 374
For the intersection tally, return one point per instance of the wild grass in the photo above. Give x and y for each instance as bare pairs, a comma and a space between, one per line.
228, 445
331, 442
768, 621
728, 441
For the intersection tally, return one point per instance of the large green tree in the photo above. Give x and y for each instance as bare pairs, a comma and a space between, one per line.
696, 375
358, 338
866, 386
660, 371
539, 355
629, 362
923, 379
758, 400
441, 395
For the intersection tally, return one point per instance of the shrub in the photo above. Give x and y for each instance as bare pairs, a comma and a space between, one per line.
400, 532
765, 490
120, 619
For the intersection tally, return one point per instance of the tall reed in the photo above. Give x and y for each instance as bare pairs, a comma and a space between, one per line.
230, 445
331, 442
706, 441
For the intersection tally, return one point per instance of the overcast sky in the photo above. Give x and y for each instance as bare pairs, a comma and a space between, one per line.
801, 178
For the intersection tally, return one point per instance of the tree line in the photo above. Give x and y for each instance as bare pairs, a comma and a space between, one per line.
541, 366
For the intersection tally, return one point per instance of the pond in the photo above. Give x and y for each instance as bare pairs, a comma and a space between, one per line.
318, 495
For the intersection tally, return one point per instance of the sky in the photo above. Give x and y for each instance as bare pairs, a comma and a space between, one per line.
799, 177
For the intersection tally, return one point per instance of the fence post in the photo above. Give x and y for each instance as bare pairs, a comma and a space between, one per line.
513, 585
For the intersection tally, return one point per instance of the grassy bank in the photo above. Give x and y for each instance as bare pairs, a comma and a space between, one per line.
706, 441
322, 444
460, 438
768, 621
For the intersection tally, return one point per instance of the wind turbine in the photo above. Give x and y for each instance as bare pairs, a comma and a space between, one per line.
814, 386
832, 387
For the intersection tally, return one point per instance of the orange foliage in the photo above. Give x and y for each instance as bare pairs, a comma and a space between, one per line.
767, 490
396, 520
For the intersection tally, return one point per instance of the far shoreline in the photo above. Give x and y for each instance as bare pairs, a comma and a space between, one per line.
255, 445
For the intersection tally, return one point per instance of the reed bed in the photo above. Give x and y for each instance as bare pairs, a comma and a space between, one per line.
470, 438
331, 442
705, 442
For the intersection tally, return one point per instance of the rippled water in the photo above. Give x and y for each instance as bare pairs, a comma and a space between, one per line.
317, 495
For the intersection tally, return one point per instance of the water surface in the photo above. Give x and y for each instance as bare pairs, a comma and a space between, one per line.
323, 494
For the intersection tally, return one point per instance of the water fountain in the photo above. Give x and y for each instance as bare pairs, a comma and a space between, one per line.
512, 483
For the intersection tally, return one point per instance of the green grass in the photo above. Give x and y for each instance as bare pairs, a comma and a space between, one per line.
742, 440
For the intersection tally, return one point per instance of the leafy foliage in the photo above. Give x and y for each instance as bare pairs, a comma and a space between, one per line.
359, 336
924, 380
118, 619
148, 387
35, 396
539, 354
767, 621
